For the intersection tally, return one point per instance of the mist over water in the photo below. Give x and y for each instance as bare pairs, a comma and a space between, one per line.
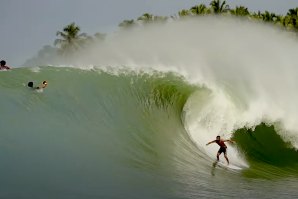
250, 67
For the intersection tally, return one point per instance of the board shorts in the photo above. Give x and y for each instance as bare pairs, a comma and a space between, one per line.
222, 150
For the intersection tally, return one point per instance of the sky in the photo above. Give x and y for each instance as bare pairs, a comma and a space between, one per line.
28, 25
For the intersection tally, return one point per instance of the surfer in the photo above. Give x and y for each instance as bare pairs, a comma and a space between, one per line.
43, 85
3, 65
223, 147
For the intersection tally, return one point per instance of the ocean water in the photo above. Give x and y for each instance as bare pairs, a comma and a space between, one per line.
93, 134
132, 121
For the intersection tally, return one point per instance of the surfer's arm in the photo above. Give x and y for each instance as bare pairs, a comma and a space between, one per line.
231, 141
211, 142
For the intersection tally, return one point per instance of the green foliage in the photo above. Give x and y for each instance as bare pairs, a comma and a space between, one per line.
184, 13
146, 18
219, 7
293, 13
70, 40
291, 19
256, 15
240, 11
200, 10
268, 17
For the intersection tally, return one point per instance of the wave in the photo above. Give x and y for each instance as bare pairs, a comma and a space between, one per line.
247, 65
122, 113
94, 98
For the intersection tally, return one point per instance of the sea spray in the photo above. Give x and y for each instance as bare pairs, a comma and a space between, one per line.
249, 62
252, 64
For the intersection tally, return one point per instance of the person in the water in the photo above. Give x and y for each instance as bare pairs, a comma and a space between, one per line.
223, 147
3, 65
43, 85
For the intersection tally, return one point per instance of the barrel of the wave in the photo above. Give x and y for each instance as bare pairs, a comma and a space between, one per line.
209, 114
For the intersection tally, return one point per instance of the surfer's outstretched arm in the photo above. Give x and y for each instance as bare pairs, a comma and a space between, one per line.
211, 142
231, 141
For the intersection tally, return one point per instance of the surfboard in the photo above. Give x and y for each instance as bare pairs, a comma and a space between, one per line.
228, 166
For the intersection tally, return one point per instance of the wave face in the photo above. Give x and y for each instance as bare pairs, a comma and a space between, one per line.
96, 134
134, 120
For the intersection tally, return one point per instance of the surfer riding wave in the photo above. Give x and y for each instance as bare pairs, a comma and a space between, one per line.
223, 147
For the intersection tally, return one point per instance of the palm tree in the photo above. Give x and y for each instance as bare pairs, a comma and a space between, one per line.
184, 13
268, 17
288, 22
279, 20
219, 7
240, 11
256, 15
199, 10
146, 18
293, 12
292, 18
70, 40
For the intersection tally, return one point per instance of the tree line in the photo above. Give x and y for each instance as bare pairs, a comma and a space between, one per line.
218, 7
71, 40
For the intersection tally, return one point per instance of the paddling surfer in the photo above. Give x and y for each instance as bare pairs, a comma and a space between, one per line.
223, 147
43, 85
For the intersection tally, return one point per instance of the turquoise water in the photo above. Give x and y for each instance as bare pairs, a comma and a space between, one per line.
94, 134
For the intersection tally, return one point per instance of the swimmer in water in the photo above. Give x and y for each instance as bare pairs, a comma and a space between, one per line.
43, 85
3, 65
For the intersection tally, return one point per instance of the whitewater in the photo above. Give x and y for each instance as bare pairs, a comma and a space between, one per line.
130, 117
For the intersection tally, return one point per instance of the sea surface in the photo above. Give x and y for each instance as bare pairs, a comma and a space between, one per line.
132, 134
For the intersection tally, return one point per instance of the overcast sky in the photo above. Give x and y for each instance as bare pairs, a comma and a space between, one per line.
28, 25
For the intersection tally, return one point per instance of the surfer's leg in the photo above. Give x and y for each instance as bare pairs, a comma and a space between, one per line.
219, 152
227, 158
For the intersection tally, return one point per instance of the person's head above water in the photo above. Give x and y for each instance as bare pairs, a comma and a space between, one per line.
30, 84
3, 63
218, 137
44, 84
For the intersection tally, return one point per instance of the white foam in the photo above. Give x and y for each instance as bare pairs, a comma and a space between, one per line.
35, 69
208, 115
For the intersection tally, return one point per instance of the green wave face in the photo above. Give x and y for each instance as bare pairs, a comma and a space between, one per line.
264, 144
269, 155
97, 134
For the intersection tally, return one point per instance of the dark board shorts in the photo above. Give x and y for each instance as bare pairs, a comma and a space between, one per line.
222, 150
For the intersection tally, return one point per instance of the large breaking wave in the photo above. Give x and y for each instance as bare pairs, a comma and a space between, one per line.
145, 103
